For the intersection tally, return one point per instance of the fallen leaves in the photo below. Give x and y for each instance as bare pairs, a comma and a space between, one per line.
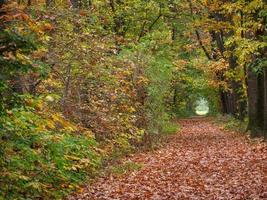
201, 162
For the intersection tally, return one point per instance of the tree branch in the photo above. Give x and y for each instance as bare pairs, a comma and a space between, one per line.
142, 32
143, 29
156, 20
202, 45
198, 34
111, 3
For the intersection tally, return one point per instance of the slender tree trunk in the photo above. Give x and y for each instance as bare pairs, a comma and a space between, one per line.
260, 98
265, 103
223, 102
174, 32
175, 97
66, 89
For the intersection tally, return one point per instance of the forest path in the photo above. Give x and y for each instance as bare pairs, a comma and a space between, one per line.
200, 162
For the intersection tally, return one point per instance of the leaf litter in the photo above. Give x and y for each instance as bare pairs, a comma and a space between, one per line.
202, 161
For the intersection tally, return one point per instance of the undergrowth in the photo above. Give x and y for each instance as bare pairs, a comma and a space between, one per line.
38, 162
170, 128
232, 124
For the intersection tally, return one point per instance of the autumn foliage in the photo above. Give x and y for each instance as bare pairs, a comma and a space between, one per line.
85, 82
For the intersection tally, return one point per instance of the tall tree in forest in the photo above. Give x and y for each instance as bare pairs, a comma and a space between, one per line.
213, 22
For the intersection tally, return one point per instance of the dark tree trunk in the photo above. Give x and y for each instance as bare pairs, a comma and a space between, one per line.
223, 101
265, 103
175, 97
261, 100
174, 33
255, 105
257, 92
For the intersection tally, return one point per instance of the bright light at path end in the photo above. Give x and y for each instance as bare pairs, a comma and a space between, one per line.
202, 107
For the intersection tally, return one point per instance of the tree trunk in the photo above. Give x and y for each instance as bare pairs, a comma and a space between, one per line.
253, 103
265, 103
223, 102
175, 97
66, 90
261, 100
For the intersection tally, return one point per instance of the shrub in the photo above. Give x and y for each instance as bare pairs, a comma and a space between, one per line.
43, 158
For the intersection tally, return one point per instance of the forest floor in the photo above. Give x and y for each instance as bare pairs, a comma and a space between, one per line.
202, 161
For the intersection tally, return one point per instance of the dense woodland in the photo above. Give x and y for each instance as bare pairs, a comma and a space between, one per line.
83, 82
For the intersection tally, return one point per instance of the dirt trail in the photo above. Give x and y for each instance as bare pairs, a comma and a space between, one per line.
201, 162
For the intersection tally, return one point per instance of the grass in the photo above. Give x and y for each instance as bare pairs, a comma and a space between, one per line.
170, 128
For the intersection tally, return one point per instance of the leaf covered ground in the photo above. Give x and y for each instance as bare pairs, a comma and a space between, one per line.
201, 162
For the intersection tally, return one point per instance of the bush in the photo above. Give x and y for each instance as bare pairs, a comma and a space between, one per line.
232, 124
41, 162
